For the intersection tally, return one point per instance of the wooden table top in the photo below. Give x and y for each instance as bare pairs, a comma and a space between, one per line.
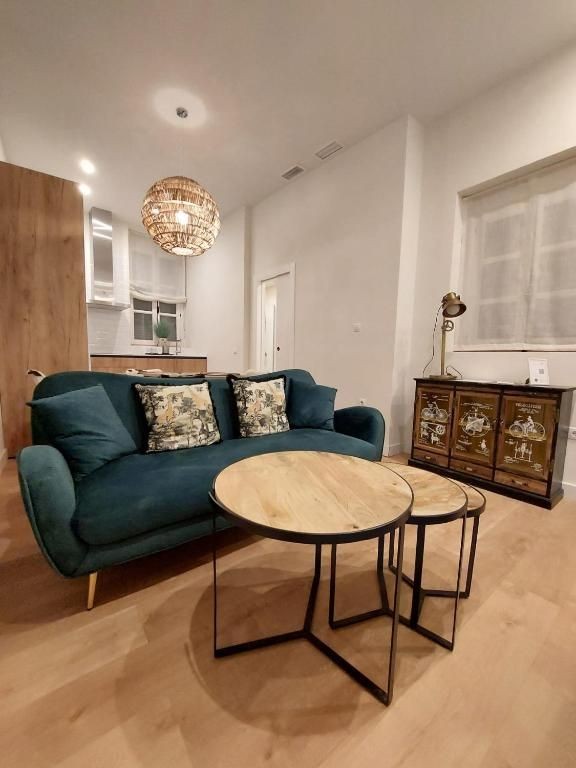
310, 496
476, 500
434, 496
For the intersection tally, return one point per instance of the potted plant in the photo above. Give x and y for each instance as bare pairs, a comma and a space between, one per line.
162, 331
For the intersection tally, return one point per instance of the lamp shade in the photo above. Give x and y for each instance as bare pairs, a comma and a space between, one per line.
452, 305
181, 216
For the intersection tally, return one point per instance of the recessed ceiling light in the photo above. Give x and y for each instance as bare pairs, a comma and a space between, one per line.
87, 166
84, 189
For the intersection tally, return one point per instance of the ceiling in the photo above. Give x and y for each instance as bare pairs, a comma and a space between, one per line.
267, 82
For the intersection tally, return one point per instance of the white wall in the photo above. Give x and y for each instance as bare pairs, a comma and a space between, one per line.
520, 122
400, 420
342, 225
216, 311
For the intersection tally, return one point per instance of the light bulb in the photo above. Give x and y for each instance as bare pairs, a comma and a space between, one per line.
182, 217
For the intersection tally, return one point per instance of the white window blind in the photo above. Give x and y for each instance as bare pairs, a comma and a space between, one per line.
155, 274
518, 267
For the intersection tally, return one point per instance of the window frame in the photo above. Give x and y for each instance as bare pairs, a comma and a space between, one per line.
180, 327
459, 252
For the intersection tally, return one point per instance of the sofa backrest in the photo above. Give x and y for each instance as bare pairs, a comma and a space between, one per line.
121, 391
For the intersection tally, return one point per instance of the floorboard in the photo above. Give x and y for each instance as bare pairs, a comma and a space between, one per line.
133, 683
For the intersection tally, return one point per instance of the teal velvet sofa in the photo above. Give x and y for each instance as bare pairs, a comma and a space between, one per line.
144, 503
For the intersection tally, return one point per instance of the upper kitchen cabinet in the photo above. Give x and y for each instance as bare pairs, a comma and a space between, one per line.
107, 260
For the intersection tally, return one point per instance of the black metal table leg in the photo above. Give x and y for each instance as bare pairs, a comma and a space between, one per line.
471, 558
306, 633
416, 605
419, 593
465, 593
384, 609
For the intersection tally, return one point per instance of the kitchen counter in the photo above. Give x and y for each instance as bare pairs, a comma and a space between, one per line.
115, 363
148, 354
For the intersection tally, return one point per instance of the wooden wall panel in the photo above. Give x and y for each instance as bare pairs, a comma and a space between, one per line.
42, 288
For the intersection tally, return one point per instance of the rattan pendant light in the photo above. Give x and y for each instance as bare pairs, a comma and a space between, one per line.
181, 216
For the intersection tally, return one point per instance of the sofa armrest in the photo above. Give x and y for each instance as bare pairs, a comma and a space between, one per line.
50, 500
362, 422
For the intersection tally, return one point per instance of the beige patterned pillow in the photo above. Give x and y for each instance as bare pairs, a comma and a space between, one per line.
261, 406
178, 416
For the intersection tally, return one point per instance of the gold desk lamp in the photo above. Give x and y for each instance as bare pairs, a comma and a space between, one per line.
452, 306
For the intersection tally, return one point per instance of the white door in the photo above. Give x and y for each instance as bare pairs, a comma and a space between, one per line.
277, 323
269, 300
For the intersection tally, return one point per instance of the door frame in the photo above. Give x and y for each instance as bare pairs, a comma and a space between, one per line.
283, 269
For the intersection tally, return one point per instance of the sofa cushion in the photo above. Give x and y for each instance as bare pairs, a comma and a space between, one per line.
120, 390
261, 406
178, 417
145, 492
311, 405
84, 426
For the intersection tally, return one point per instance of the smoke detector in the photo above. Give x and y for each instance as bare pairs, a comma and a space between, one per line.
328, 150
296, 170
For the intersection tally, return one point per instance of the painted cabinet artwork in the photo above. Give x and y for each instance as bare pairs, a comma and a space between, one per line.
432, 423
475, 421
524, 446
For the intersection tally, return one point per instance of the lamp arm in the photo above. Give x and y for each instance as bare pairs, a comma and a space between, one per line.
447, 326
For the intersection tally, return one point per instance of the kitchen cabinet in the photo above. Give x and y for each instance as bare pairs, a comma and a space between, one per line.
42, 289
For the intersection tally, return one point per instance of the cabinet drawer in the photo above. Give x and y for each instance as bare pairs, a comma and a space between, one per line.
431, 458
471, 469
524, 483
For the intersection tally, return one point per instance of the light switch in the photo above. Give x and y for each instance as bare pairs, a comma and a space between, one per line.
356, 327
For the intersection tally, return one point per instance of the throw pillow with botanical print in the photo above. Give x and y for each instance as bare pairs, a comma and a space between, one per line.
178, 416
261, 406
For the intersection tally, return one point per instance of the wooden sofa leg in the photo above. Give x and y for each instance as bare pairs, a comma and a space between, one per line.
92, 579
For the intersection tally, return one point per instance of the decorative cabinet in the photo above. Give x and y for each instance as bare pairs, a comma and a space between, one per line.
507, 438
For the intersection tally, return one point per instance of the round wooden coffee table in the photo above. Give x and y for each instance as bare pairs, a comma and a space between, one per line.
315, 498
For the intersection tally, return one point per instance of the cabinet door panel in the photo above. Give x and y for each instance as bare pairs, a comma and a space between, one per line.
42, 289
432, 418
474, 426
526, 435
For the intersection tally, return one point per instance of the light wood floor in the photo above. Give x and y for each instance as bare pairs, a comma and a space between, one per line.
133, 683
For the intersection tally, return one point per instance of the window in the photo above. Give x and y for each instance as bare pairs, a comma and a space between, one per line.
518, 268
143, 320
146, 314
158, 288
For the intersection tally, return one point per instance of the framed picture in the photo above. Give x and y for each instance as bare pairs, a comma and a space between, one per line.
538, 368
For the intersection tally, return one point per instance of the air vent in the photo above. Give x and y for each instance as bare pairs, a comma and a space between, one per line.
328, 150
291, 172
